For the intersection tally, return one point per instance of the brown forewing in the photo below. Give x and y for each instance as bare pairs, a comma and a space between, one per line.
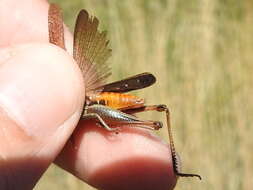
55, 26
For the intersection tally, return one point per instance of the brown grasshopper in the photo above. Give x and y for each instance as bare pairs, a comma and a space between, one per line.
107, 103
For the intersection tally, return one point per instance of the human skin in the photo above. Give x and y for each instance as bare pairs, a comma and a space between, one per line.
41, 99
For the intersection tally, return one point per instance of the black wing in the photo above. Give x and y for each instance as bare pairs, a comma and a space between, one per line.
135, 82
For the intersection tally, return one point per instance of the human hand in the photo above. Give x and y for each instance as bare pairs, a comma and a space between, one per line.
41, 99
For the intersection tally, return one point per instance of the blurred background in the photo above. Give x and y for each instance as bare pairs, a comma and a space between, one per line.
202, 55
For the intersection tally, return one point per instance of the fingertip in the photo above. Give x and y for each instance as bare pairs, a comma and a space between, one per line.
41, 92
41, 99
132, 159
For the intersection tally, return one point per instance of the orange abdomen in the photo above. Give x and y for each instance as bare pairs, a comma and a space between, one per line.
119, 100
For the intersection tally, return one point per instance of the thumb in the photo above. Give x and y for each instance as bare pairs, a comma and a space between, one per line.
41, 96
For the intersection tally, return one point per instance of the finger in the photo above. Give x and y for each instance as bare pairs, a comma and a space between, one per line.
39, 14
25, 21
41, 96
132, 159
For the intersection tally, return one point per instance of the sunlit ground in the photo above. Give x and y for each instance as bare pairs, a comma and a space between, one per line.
202, 55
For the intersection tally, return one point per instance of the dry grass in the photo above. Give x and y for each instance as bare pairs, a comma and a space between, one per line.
201, 53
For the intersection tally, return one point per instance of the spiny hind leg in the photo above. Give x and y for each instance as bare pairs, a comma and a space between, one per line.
175, 158
100, 121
